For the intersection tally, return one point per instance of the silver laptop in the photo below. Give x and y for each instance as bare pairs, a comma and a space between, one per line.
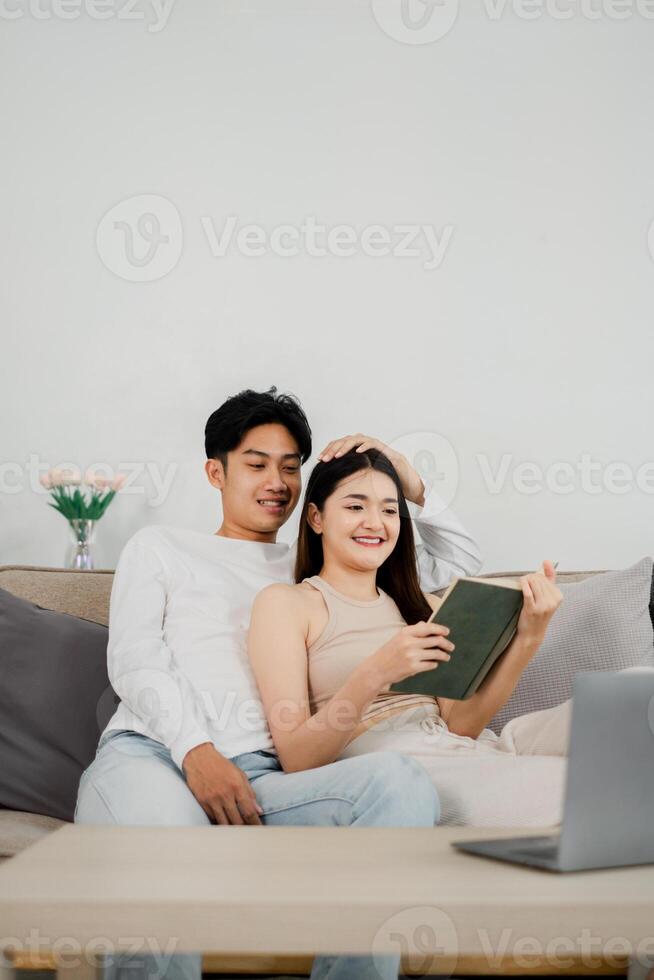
608, 815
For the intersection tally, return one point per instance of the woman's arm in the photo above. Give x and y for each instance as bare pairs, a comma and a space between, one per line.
277, 650
541, 600
277, 641
471, 716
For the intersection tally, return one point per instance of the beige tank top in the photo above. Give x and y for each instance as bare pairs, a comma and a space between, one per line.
355, 629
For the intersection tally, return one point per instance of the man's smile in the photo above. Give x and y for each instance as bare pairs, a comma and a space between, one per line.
272, 505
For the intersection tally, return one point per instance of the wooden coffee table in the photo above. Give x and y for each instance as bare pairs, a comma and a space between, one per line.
279, 893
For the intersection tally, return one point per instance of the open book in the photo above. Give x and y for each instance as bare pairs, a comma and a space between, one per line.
482, 615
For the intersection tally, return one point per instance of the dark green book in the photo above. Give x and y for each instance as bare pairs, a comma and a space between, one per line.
482, 615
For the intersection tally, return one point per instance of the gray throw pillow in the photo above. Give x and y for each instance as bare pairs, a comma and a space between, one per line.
55, 700
603, 623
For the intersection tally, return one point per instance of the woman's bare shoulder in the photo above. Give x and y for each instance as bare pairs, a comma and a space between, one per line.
311, 597
297, 605
282, 594
278, 594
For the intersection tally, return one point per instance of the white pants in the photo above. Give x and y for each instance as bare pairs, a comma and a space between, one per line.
515, 779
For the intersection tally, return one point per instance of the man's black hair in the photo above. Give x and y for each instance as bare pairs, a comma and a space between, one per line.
228, 425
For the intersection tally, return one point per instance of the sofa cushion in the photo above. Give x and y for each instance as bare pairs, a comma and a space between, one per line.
70, 590
55, 699
19, 830
603, 623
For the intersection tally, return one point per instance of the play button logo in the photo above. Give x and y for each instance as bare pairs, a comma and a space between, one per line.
416, 21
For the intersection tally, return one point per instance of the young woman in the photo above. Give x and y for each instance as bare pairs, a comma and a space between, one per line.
326, 651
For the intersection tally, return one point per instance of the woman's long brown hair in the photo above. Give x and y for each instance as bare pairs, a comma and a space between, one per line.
398, 576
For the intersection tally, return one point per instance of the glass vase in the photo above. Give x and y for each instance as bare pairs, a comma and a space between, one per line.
80, 550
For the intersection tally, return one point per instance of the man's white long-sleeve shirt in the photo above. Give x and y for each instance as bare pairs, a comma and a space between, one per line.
179, 613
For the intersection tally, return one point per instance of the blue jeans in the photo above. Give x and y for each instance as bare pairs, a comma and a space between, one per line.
133, 781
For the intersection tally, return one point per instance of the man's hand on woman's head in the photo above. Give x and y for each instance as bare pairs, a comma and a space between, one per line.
221, 788
412, 484
541, 599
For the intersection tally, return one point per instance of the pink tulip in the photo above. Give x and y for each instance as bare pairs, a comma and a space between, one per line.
96, 480
118, 481
46, 481
65, 477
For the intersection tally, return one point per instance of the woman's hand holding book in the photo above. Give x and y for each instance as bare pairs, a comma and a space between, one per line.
412, 650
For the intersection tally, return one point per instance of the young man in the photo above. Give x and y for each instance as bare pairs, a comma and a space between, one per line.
189, 743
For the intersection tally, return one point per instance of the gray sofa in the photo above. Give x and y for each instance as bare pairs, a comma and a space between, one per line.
84, 594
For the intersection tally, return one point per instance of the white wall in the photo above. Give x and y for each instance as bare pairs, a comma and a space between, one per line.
532, 139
